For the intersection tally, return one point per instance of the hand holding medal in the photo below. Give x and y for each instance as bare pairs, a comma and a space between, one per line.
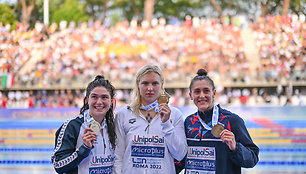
89, 136
164, 110
163, 97
228, 137
90, 133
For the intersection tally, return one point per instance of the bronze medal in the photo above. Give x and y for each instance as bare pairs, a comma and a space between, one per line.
216, 130
163, 98
95, 126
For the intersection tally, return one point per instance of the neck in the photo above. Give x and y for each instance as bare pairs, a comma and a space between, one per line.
146, 103
206, 115
100, 120
207, 109
97, 118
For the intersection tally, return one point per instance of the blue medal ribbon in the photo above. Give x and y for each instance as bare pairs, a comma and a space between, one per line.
88, 117
214, 118
151, 106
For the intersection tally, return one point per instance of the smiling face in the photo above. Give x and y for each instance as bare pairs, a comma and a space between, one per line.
149, 87
203, 95
99, 102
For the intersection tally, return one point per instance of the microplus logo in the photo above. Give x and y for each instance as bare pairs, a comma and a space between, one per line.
201, 152
97, 160
148, 140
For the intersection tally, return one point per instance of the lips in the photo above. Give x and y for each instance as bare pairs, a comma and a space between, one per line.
99, 107
149, 94
202, 101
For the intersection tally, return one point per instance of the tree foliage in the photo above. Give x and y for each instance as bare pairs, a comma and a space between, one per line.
7, 16
128, 9
97, 9
71, 10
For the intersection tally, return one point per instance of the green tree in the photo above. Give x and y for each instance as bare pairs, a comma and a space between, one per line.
97, 8
129, 8
7, 16
157, 8
71, 10
27, 8
176, 8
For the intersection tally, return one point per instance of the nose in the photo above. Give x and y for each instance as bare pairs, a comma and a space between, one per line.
99, 100
150, 87
202, 94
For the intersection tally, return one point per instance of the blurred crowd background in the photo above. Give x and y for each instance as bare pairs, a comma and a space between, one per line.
258, 61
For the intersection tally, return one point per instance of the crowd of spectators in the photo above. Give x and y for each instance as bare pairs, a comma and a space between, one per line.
282, 96
71, 54
282, 48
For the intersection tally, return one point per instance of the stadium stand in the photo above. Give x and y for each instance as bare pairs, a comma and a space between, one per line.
41, 61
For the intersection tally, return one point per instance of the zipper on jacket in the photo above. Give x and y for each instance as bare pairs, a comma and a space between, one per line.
147, 128
103, 140
202, 129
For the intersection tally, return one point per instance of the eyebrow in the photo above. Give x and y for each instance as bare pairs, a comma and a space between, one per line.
145, 81
94, 94
201, 88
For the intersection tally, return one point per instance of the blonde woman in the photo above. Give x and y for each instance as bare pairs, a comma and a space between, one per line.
149, 135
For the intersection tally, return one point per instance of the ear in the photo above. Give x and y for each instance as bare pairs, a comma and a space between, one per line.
190, 95
214, 93
114, 101
86, 99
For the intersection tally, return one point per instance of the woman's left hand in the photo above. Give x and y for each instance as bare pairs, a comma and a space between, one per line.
164, 112
228, 137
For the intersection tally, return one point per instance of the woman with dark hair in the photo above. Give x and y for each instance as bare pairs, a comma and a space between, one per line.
218, 141
86, 143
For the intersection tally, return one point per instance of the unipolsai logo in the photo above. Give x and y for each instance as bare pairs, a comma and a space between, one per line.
156, 140
100, 161
201, 152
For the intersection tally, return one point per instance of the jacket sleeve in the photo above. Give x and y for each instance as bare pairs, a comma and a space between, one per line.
66, 156
120, 146
179, 165
174, 133
246, 152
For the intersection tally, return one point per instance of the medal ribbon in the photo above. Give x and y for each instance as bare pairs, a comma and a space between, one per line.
151, 106
88, 117
214, 118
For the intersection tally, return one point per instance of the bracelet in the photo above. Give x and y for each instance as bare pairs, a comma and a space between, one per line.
86, 146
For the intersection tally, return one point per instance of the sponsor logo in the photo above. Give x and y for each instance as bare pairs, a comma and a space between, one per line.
199, 172
132, 121
148, 151
156, 140
99, 161
100, 170
201, 152
206, 165
147, 163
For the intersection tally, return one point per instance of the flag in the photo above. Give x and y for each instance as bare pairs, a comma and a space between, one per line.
7, 80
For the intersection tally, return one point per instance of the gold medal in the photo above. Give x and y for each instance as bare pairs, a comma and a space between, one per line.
216, 130
163, 98
95, 126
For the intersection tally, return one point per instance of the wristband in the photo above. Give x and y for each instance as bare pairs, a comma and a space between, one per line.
87, 146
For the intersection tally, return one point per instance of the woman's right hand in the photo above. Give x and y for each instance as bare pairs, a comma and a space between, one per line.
89, 137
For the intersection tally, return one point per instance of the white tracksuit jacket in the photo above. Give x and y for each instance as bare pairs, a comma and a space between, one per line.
143, 147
